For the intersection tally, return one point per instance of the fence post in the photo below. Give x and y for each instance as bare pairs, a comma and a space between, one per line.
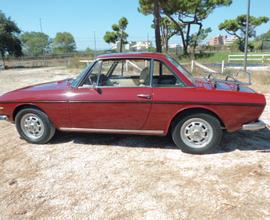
222, 66
126, 66
192, 65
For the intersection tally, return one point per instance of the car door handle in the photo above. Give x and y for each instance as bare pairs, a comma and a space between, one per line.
144, 96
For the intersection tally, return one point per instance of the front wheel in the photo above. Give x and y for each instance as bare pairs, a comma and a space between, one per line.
34, 126
197, 134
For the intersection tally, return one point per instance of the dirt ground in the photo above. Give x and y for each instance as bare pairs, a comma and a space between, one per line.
91, 176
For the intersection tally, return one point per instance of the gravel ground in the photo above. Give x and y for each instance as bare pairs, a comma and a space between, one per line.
93, 176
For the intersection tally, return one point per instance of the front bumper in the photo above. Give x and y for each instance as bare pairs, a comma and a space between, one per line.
254, 126
3, 118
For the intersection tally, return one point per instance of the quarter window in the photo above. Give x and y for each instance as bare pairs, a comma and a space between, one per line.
164, 77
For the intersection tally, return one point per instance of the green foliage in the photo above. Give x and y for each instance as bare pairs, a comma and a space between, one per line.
198, 38
35, 43
265, 36
198, 9
146, 7
63, 43
262, 42
168, 30
89, 52
188, 15
154, 7
207, 57
9, 41
237, 27
118, 33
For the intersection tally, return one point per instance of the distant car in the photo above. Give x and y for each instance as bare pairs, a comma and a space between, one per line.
136, 93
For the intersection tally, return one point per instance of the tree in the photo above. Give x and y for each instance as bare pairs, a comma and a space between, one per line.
168, 30
237, 27
263, 41
9, 41
189, 15
118, 33
153, 7
196, 39
63, 43
35, 43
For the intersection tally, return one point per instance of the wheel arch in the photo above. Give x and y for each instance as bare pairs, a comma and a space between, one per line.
24, 106
193, 110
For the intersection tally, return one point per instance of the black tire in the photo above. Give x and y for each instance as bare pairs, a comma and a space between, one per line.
49, 129
181, 128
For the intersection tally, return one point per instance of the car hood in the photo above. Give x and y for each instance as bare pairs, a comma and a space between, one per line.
221, 85
56, 85
40, 92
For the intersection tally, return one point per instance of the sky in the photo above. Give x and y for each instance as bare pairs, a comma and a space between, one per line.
83, 18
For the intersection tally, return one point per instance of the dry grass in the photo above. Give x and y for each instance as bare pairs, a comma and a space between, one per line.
95, 176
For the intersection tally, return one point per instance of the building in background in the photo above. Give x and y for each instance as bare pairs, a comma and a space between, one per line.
222, 40
133, 46
139, 45
116, 46
229, 40
216, 41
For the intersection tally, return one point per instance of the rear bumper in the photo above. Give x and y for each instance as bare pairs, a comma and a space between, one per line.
3, 118
254, 126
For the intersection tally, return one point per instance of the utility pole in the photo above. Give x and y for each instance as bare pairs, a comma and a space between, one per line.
247, 36
95, 45
41, 30
40, 25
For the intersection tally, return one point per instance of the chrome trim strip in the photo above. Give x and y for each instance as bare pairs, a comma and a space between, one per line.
146, 102
254, 126
3, 118
115, 131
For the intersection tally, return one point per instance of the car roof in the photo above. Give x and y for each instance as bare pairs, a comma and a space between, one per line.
133, 55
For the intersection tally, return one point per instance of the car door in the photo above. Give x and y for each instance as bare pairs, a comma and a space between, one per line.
115, 95
169, 96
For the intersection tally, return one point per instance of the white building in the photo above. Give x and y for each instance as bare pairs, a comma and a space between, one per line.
139, 45
116, 46
229, 40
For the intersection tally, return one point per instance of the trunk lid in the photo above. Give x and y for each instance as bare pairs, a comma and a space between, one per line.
222, 85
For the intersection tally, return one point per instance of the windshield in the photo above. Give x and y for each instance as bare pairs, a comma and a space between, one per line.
181, 68
78, 78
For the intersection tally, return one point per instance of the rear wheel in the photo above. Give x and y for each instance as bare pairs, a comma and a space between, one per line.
34, 126
197, 133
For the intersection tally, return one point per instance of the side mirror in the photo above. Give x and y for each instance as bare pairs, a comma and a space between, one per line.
96, 88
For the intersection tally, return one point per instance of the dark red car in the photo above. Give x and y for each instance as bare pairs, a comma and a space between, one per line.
138, 93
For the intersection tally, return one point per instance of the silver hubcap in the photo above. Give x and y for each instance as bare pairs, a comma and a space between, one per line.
196, 133
32, 126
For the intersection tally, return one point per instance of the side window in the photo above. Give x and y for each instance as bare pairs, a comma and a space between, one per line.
164, 77
93, 75
125, 73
